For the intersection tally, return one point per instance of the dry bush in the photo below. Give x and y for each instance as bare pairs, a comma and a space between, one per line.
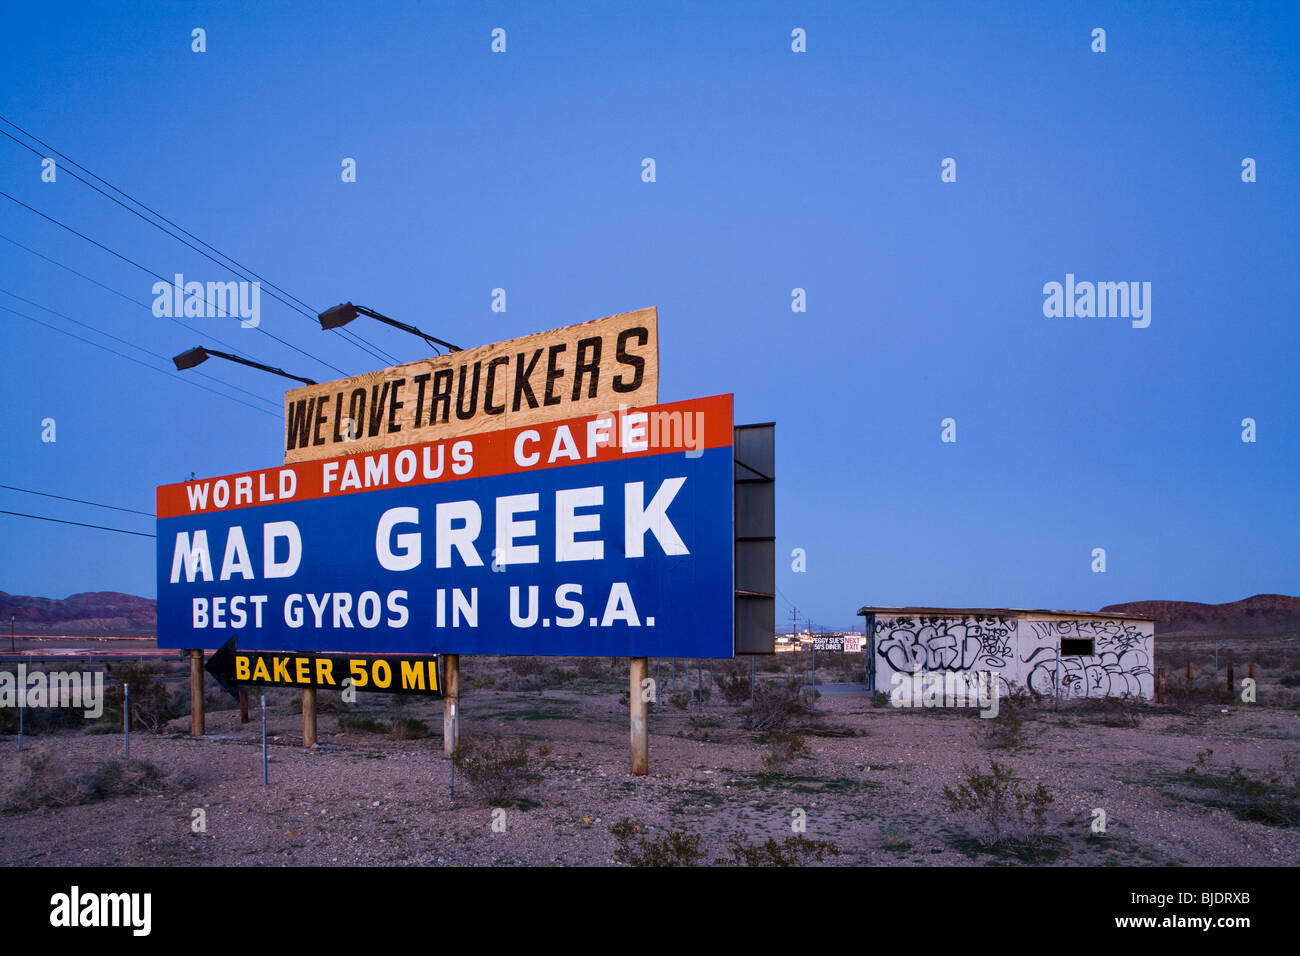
784, 748
362, 723
1002, 806
674, 848
777, 706
590, 668
497, 771
152, 704
1111, 711
526, 666
408, 728
733, 687
43, 783
1185, 695
796, 850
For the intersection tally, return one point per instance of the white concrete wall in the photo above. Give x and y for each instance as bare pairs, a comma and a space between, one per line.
1022, 650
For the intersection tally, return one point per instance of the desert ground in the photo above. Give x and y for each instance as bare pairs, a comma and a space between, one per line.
544, 779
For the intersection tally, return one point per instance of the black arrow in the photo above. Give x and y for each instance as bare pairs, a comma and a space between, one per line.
221, 665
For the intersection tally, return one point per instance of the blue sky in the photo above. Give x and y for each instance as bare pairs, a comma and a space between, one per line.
775, 170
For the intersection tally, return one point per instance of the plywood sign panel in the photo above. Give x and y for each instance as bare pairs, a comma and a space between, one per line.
577, 370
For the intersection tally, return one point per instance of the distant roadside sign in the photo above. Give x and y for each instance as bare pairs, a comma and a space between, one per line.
844, 643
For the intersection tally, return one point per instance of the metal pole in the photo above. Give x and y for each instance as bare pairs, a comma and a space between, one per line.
126, 720
22, 693
264, 740
751, 681
12, 646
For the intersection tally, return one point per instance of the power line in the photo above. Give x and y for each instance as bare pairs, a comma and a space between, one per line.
143, 305
82, 501
149, 271
140, 348
302, 307
151, 368
80, 524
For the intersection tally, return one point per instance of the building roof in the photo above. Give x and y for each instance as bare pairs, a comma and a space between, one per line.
999, 611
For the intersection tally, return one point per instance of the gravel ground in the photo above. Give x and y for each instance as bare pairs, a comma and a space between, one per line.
870, 780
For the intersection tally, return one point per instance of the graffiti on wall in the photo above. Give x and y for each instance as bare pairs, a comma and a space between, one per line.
1119, 664
974, 642
1022, 653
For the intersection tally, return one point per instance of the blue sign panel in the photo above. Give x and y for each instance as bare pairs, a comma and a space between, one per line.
627, 555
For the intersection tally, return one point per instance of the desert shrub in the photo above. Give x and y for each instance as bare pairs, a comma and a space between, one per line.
733, 687
1113, 711
482, 681
330, 703
43, 783
44, 720
325, 704
1001, 804
1010, 729
152, 704
1270, 797
590, 668
796, 850
563, 675
783, 748
526, 666
408, 728
701, 694
362, 723
894, 837
880, 698
777, 705
1182, 694
497, 771
680, 700
673, 848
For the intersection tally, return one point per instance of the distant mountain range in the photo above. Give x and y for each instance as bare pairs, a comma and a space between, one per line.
94, 612
1258, 615
111, 613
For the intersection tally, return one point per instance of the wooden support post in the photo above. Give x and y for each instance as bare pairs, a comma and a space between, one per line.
243, 706
1160, 685
640, 724
196, 693
309, 717
1191, 670
1231, 682
450, 703
1252, 672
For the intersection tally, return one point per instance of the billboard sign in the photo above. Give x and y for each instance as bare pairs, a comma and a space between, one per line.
607, 535
845, 643
548, 376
